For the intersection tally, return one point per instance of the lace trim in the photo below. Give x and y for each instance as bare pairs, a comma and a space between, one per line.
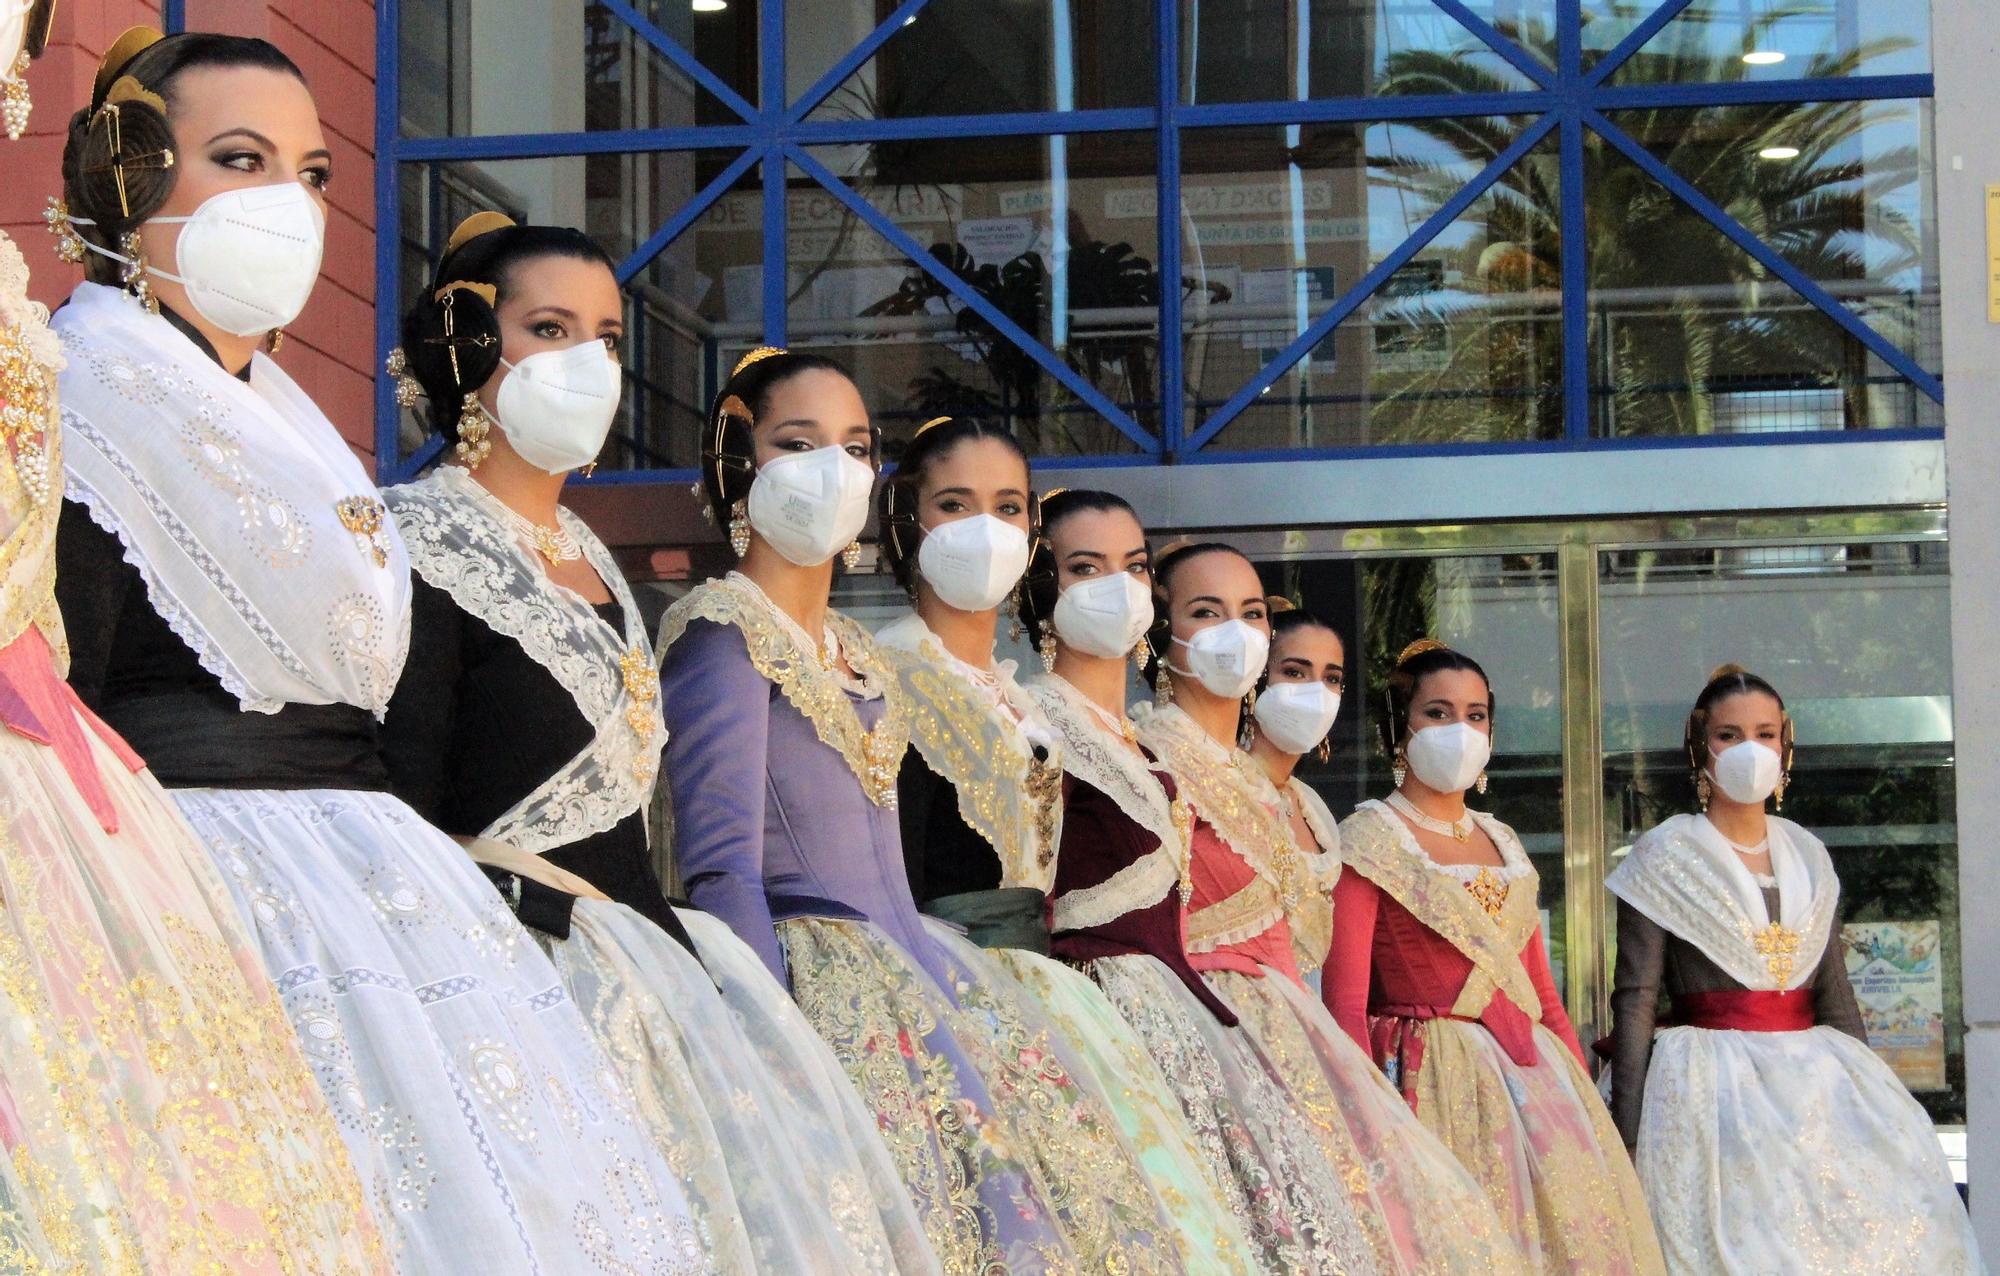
1381, 848
1235, 920
1140, 884
1100, 759
1228, 793
1006, 794
874, 756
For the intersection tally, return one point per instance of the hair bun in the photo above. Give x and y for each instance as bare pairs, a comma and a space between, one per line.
1729, 670
428, 348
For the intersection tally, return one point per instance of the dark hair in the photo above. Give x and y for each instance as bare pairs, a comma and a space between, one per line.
488, 258
1164, 571
1287, 617
896, 505
144, 136
1410, 671
1727, 681
728, 451
1040, 587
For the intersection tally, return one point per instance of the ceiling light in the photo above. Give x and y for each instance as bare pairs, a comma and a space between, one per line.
1763, 57
1778, 153
710, 6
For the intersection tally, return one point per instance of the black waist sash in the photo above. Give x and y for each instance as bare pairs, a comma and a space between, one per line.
204, 740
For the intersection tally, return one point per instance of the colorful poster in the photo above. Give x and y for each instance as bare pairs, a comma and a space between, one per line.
1900, 984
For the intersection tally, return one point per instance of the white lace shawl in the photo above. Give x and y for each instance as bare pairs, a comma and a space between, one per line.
1091, 753
225, 496
1684, 876
461, 542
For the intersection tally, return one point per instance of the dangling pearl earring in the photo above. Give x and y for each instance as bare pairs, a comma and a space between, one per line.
1139, 657
1399, 770
739, 529
850, 558
473, 427
1784, 782
1481, 784
1163, 686
1046, 649
133, 272
1702, 789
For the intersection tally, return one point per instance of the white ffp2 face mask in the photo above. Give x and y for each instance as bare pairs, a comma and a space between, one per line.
1104, 616
249, 257
1227, 658
810, 505
556, 406
973, 563
1295, 716
1448, 758
1748, 771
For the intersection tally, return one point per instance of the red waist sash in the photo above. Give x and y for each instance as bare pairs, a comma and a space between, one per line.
1745, 1010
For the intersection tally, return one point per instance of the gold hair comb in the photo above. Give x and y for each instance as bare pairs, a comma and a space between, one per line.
758, 355
487, 292
129, 45
473, 227
936, 420
1418, 648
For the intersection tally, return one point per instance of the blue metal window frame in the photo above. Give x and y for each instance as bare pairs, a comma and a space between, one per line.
1570, 101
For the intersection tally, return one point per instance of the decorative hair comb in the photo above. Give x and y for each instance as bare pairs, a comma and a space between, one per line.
1418, 648
936, 420
473, 227
486, 292
758, 355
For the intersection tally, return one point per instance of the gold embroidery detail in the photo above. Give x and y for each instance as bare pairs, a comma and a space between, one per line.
1488, 891
642, 684
1779, 946
874, 756
364, 516
1211, 776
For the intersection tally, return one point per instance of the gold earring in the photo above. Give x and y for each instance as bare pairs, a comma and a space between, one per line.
1399, 770
739, 529
276, 341
133, 272
1139, 657
1481, 784
1702, 789
473, 427
1784, 781
69, 244
850, 558
1325, 750
408, 389
14, 102
1163, 686
1046, 648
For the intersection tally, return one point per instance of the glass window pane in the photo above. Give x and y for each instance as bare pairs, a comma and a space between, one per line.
1690, 335
1257, 50
1725, 40
677, 305
558, 66
1463, 343
1856, 637
972, 57
1090, 294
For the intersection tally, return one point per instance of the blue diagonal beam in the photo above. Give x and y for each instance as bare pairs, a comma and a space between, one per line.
690, 65
1767, 257
1352, 299
838, 73
1521, 60
969, 296
685, 217
1633, 42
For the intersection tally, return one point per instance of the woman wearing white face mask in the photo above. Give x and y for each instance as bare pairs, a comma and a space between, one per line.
1259, 917
1438, 970
1769, 1137
239, 602
980, 801
527, 725
788, 728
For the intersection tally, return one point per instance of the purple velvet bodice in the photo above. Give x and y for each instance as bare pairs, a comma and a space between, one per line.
769, 821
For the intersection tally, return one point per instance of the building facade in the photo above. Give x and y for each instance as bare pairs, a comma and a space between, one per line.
1609, 340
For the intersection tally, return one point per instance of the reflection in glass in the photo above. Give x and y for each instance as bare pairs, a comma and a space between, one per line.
676, 305
1723, 40
1089, 293
1462, 344
973, 57
1857, 639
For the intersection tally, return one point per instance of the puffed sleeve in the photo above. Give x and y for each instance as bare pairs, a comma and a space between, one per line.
718, 712
1554, 1016
1635, 1011
416, 734
1349, 963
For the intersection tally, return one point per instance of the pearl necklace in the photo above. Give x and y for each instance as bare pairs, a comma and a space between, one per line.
1459, 831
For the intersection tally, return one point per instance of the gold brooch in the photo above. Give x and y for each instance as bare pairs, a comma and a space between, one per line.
642, 683
1488, 891
364, 516
26, 396
1777, 944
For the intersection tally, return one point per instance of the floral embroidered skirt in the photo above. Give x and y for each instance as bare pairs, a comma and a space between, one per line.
1110, 1063
155, 1113
1538, 1139
1271, 1172
783, 1167
491, 1132
1423, 1212
1794, 1152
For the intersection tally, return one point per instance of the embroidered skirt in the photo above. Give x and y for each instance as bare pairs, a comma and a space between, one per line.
771, 1161
155, 1113
1422, 1211
1104, 1055
1538, 1139
491, 1132
1793, 1153
1274, 1177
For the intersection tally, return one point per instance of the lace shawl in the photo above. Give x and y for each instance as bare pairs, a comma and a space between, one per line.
461, 541
1684, 876
30, 461
260, 539
1006, 794
1378, 845
1092, 754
